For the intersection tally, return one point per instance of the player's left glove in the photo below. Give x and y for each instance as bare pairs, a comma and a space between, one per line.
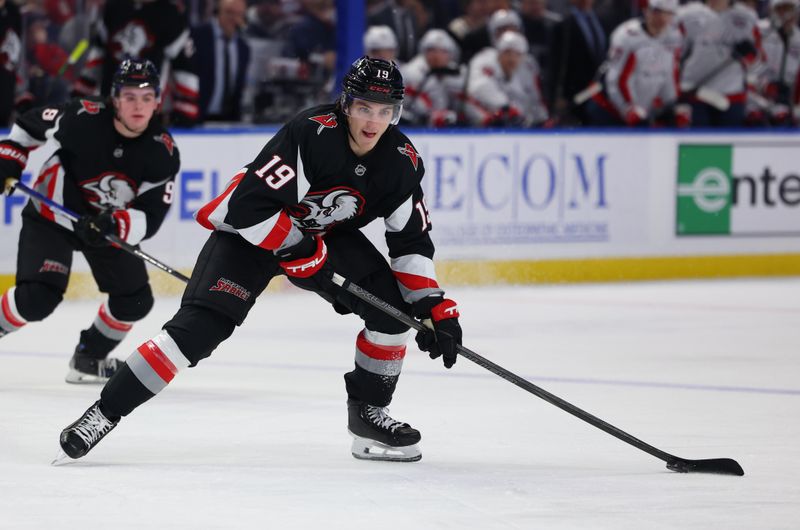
93, 229
444, 336
306, 264
745, 51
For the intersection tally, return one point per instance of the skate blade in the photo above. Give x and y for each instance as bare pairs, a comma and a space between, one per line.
366, 449
79, 378
60, 459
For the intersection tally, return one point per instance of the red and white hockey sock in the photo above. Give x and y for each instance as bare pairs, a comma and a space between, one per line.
156, 362
10, 319
381, 353
110, 327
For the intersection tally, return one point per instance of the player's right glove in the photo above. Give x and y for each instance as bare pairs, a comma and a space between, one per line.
93, 229
306, 264
444, 333
13, 158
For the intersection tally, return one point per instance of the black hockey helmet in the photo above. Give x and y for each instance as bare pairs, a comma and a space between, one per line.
374, 80
139, 73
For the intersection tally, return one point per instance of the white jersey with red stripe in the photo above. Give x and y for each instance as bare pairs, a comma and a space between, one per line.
642, 69
308, 180
779, 63
94, 168
489, 89
709, 42
428, 93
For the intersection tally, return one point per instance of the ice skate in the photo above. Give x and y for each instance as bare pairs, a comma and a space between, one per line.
378, 436
80, 437
85, 369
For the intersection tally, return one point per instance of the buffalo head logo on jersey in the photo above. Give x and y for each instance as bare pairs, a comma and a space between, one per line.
326, 121
131, 41
321, 210
408, 150
109, 190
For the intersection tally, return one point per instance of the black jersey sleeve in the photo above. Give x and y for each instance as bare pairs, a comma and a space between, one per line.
253, 202
408, 227
157, 189
29, 132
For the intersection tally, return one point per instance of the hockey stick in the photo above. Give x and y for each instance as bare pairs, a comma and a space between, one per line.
72, 216
722, 466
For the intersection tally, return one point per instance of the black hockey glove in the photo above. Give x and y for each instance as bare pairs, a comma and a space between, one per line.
443, 337
93, 229
745, 50
306, 264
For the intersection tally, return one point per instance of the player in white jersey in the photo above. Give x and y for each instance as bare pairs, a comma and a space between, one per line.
777, 73
639, 81
504, 86
380, 42
434, 82
720, 40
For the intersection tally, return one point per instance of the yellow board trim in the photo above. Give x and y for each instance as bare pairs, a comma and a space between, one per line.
530, 272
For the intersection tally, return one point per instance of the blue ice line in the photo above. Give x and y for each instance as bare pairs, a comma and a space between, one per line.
549, 379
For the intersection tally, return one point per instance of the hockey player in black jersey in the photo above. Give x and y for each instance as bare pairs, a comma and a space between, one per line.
114, 165
297, 210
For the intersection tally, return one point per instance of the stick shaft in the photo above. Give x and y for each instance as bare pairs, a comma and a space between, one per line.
127, 247
507, 375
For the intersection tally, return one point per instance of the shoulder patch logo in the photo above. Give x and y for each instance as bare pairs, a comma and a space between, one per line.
91, 107
326, 121
165, 139
408, 150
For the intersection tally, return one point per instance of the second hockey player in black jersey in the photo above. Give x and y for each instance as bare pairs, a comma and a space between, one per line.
297, 210
114, 165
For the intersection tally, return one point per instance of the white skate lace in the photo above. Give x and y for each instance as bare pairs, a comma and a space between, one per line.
380, 418
93, 427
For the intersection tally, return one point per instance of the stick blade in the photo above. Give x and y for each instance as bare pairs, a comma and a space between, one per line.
719, 466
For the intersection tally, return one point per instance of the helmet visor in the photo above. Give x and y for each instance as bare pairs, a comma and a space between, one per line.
366, 110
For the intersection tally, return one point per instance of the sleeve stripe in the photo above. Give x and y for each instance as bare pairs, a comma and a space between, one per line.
206, 215
414, 282
270, 233
399, 218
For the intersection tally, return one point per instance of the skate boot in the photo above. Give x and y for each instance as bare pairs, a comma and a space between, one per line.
85, 369
378, 436
79, 438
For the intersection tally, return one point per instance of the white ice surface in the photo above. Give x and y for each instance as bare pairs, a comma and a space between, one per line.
255, 437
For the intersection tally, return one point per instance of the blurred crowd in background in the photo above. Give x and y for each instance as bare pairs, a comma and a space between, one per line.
474, 63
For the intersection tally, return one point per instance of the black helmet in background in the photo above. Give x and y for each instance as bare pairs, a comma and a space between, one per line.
139, 73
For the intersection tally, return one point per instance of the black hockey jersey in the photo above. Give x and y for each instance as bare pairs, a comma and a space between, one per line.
156, 30
308, 180
95, 168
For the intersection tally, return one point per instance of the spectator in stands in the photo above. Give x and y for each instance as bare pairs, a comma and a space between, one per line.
503, 87
537, 24
720, 41
156, 30
486, 36
222, 57
434, 82
639, 86
380, 43
313, 39
10, 56
578, 49
476, 13
402, 22
777, 73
